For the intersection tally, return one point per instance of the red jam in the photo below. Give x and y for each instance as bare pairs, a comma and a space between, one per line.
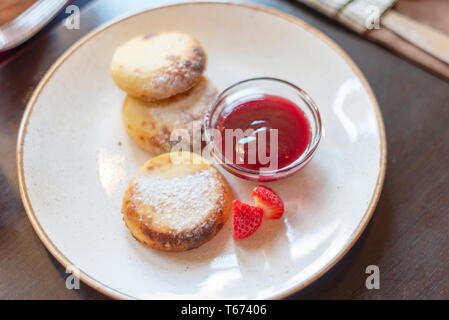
263, 113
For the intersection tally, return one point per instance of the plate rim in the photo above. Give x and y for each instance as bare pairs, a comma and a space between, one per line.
116, 294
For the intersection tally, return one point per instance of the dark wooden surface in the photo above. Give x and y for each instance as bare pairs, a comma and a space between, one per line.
407, 237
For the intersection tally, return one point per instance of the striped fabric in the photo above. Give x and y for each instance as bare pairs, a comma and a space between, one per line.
359, 15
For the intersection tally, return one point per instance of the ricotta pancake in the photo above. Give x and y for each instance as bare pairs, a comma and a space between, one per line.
150, 124
156, 66
176, 201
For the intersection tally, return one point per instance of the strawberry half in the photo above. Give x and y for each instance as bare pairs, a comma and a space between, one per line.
247, 219
269, 201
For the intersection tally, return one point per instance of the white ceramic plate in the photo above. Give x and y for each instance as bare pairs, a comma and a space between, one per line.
75, 160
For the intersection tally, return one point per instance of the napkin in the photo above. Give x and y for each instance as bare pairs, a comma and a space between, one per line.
434, 13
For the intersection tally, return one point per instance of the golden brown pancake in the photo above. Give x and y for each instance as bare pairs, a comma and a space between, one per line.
176, 202
150, 124
158, 65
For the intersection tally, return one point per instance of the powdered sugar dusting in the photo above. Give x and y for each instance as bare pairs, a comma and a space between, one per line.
176, 77
180, 203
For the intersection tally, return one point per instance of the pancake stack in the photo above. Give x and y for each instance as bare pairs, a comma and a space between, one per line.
162, 75
177, 200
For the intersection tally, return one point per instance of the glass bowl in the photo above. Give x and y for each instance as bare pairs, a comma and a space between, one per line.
256, 87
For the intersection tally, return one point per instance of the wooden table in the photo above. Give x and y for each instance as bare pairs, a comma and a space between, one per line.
407, 237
